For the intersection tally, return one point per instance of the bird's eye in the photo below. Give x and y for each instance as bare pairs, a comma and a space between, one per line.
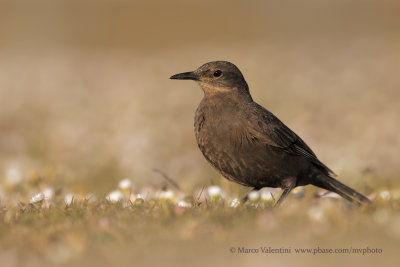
217, 73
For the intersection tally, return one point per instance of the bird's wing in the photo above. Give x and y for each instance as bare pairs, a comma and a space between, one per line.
268, 129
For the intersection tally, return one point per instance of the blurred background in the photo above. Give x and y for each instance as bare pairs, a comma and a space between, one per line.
85, 91
85, 95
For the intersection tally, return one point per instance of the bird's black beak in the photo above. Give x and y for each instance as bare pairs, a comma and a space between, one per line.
185, 76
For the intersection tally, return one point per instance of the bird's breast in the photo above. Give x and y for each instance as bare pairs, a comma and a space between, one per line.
228, 144
222, 128
222, 138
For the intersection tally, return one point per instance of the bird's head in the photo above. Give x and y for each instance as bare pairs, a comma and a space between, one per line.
217, 77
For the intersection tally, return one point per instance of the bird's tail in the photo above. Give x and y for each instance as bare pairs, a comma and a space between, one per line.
331, 184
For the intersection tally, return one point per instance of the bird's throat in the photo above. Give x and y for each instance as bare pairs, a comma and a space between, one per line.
225, 94
210, 90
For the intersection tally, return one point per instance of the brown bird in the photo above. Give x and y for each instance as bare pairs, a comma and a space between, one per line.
247, 144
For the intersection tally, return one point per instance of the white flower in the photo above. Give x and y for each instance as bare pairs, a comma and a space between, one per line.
215, 192
253, 196
37, 199
48, 193
267, 194
69, 198
140, 196
125, 185
138, 199
329, 194
166, 195
385, 195
115, 196
235, 203
184, 204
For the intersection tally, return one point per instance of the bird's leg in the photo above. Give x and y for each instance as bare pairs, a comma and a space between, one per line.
286, 192
246, 197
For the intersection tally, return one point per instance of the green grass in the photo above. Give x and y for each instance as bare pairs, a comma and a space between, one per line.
101, 233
